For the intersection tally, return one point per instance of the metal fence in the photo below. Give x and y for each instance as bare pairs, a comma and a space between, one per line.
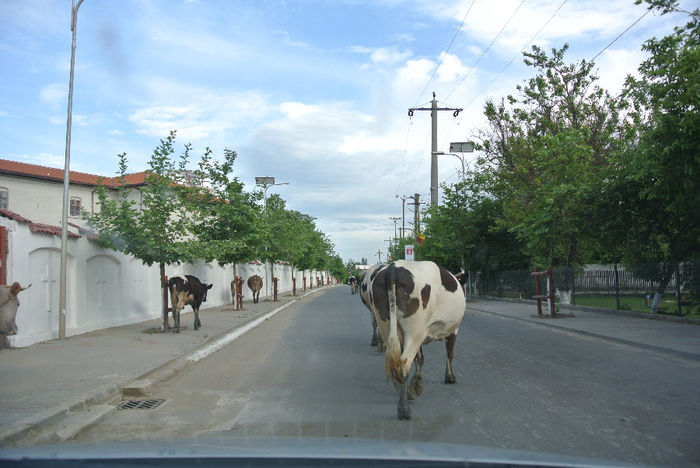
603, 280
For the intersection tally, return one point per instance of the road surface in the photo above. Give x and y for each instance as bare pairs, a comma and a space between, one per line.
310, 372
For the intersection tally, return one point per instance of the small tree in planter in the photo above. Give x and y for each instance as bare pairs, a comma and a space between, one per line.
156, 228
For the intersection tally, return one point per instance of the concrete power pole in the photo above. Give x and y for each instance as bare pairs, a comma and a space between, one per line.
416, 213
433, 156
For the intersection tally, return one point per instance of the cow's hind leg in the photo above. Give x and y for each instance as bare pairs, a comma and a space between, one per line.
197, 323
415, 387
374, 330
450, 346
404, 410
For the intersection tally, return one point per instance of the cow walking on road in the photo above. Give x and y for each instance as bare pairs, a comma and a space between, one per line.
365, 284
354, 284
184, 291
415, 303
255, 283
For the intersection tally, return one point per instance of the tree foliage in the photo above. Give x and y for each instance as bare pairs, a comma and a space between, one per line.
545, 149
151, 229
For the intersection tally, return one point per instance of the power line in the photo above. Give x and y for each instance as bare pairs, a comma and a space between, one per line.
487, 49
480, 93
445, 53
620, 35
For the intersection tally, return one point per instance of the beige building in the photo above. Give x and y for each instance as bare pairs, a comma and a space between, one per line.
36, 192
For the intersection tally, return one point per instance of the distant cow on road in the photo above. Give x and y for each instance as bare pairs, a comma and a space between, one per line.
255, 283
8, 310
184, 291
352, 281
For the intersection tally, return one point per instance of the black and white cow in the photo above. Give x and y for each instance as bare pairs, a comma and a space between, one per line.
184, 291
365, 284
354, 284
415, 303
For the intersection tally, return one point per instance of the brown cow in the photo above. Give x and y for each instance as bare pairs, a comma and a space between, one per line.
8, 310
255, 284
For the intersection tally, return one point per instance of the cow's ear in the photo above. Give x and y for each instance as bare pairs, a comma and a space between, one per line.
208, 286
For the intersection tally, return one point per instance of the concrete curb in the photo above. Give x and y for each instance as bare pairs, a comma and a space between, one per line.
648, 347
598, 310
134, 387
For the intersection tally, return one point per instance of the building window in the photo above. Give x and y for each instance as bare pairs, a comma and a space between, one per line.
75, 206
3, 198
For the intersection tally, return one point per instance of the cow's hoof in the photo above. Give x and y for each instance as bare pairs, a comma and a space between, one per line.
450, 378
374, 342
404, 413
381, 347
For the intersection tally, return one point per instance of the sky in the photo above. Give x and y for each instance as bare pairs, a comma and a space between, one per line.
314, 93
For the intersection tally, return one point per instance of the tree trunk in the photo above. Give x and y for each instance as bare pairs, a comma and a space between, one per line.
665, 279
164, 292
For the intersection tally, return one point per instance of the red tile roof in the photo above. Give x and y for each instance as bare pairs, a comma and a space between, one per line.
50, 173
37, 227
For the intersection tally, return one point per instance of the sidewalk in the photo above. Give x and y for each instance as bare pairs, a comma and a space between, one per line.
48, 381
677, 339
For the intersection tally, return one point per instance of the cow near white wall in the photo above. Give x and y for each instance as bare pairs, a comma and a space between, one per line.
8, 310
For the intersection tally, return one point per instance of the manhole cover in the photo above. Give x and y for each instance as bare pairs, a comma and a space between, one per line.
140, 404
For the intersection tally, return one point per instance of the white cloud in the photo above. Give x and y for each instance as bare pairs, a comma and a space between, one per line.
45, 159
294, 110
382, 55
54, 94
197, 113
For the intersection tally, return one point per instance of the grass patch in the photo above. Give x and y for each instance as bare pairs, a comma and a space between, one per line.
669, 305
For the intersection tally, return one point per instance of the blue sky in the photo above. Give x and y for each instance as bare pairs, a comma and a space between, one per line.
314, 93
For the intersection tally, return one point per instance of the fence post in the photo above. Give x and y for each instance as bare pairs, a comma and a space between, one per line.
617, 288
678, 287
294, 286
274, 289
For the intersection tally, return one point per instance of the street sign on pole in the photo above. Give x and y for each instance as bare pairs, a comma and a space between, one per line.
409, 253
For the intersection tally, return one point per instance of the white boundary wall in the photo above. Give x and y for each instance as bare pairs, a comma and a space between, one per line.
107, 288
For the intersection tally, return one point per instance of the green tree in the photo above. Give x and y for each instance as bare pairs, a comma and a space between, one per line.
463, 232
653, 199
156, 229
545, 150
228, 219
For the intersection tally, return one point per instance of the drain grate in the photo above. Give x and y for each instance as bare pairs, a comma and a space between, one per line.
140, 404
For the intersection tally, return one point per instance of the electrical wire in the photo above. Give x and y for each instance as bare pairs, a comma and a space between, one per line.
480, 93
445, 53
620, 35
487, 49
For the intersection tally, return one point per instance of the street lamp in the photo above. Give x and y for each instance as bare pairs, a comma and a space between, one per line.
458, 147
266, 183
66, 183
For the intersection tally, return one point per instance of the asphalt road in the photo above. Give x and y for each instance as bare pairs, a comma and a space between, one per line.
310, 372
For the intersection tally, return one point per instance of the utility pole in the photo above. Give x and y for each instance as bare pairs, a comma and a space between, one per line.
416, 213
63, 274
394, 219
379, 256
403, 214
433, 161
388, 255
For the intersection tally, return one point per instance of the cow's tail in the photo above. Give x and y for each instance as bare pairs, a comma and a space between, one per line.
393, 344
